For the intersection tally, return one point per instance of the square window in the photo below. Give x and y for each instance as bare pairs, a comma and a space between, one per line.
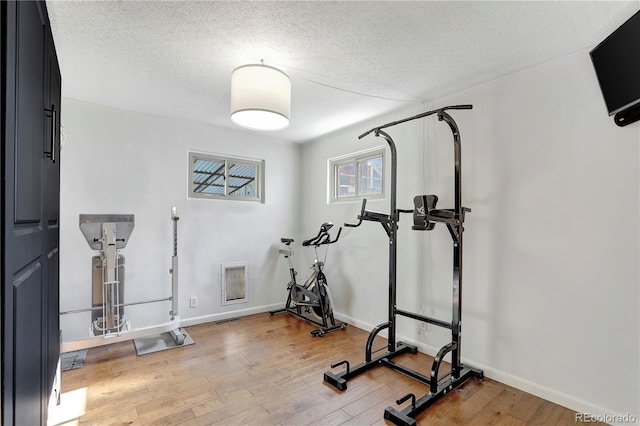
357, 176
225, 178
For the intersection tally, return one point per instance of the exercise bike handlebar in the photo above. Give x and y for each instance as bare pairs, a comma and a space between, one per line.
323, 236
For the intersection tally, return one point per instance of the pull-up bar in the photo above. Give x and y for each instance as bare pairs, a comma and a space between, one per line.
415, 117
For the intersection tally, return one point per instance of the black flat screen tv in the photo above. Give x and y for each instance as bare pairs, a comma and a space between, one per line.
617, 64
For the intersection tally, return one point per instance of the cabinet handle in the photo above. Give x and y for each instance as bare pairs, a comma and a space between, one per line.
52, 146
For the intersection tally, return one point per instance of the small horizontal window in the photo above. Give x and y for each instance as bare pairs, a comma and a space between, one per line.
360, 175
224, 177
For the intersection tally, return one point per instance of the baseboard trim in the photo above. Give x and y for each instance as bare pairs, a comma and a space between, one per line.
185, 322
536, 389
572, 403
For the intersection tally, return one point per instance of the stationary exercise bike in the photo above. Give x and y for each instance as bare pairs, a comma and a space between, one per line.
312, 300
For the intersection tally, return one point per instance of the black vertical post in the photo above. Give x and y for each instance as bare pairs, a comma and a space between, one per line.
457, 245
459, 372
393, 239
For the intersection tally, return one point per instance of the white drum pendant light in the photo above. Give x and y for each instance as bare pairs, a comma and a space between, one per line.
260, 97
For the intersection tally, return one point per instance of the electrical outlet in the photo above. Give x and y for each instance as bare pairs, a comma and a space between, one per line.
193, 302
422, 327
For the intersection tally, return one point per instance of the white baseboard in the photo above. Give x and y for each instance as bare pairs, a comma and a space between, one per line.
572, 403
557, 397
231, 314
578, 405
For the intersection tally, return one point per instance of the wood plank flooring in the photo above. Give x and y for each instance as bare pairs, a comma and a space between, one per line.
267, 370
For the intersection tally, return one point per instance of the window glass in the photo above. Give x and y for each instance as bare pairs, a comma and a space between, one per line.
357, 176
370, 176
346, 178
208, 176
242, 180
226, 178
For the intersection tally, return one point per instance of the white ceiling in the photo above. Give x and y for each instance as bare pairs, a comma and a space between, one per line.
174, 59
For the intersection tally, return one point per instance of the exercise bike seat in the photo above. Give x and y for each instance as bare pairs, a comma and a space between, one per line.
286, 241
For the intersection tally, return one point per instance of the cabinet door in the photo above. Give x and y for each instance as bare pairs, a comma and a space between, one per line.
30, 253
51, 217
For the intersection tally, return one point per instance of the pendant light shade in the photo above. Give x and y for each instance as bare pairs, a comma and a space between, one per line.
260, 97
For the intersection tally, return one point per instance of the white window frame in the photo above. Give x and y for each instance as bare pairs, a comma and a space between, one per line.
332, 171
259, 178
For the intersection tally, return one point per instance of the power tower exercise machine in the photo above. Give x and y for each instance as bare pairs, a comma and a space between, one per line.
108, 234
425, 217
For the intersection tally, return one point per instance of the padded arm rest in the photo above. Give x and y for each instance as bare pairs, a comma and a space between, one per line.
448, 215
441, 214
425, 213
375, 216
423, 204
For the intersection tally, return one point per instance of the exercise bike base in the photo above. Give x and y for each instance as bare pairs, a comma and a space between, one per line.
324, 329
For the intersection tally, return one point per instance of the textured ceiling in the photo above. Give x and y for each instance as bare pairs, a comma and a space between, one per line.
174, 59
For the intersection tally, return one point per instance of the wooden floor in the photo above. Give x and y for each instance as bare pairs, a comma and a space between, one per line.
267, 370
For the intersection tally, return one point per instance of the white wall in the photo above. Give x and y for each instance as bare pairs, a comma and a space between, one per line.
551, 297
115, 161
551, 279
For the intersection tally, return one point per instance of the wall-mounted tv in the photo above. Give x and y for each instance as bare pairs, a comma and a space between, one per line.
617, 64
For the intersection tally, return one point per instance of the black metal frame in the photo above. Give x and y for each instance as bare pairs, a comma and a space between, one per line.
424, 220
317, 296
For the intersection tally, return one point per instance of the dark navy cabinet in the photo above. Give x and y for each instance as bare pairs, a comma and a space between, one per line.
31, 96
